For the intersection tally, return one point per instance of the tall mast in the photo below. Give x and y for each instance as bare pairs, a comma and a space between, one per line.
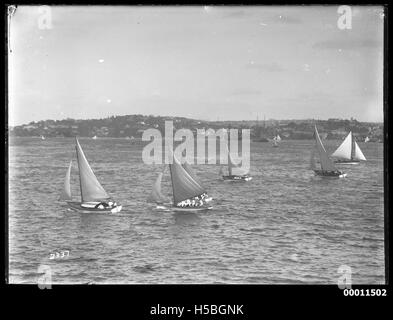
352, 147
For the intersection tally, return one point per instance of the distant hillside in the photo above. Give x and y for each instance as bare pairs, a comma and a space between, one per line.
134, 125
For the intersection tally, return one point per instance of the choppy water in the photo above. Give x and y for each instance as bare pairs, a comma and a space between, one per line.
285, 226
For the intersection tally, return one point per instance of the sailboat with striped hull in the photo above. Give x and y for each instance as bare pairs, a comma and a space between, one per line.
94, 198
189, 195
328, 169
348, 152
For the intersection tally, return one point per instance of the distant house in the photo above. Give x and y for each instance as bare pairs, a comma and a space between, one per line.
30, 127
339, 132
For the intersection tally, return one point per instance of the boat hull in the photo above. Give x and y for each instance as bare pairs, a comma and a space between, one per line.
328, 174
77, 206
237, 178
191, 209
347, 161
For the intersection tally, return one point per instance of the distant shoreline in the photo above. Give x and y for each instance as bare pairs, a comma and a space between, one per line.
132, 127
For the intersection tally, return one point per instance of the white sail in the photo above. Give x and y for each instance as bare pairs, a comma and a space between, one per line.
183, 185
66, 193
367, 139
156, 195
91, 189
358, 153
326, 163
278, 138
344, 151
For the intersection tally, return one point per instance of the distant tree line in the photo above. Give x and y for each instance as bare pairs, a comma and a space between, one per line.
134, 125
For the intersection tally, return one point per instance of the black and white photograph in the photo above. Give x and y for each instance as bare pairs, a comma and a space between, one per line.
196, 145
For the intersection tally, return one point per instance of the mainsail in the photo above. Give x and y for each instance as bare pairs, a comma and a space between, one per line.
91, 189
66, 193
344, 151
278, 138
358, 153
183, 184
191, 172
326, 163
367, 139
156, 195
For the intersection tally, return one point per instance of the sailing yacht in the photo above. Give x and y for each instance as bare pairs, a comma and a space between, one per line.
348, 152
235, 172
328, 169
93, 196
367, 139
95, 137
188, 193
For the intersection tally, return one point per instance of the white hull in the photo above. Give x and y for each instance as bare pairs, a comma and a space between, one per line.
77, 206
237, 178
347, 163
191, 209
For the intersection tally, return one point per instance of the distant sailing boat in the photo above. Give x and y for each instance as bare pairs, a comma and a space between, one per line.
349, 152
235, 172
188, 193
328, 168
367, 139
275, 141
93, 196
95, 137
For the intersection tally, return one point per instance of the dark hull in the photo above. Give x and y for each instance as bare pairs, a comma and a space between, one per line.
78, 207
236, 178
329, 174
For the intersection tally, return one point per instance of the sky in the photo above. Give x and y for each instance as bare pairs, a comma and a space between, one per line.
203, 62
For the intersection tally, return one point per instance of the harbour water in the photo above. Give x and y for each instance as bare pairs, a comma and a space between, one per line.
284, 226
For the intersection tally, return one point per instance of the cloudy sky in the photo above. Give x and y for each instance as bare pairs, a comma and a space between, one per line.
208, 63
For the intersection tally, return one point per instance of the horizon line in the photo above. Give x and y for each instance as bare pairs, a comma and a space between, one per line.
196, 119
